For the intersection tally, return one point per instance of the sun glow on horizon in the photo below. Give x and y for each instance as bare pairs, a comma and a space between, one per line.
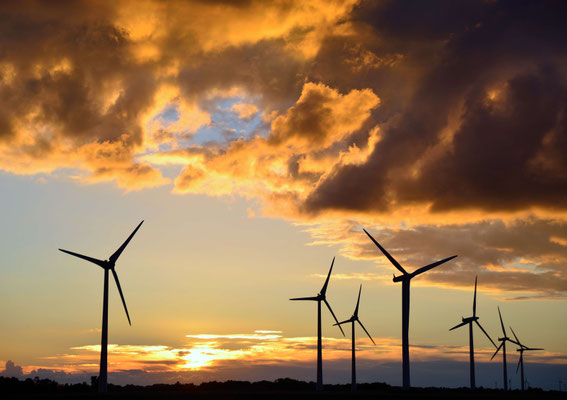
211, 352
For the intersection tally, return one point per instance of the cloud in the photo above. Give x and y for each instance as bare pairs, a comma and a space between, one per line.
430, 122
74, 95
271, 355
523, 258
244, 110
12, 370
93, 78
469, 119
476, 129
305, 142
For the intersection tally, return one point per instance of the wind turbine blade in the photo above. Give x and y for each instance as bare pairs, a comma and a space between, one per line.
519, 362
366, 331
343, 322
431, 266
100, 263
121, 295
392, 260
474, 299
117, 253
482, 329
458, 326
337, 321
516, 337
324, 289
532, 348
357, 302
305, 298
502, 323
497, 350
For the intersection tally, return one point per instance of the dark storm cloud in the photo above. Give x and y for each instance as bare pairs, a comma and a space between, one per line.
500, 159
420, 20
499, 156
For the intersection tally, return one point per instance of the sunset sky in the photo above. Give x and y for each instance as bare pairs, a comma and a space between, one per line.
256, 139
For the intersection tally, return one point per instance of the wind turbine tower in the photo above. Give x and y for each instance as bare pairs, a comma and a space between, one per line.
321, 297
406, 278
107, 265
521, 349
502, 346
352, 320
469, 321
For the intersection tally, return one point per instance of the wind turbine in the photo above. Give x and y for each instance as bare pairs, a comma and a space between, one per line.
107, 265
352, 320
521, 360
405, 278
469, 321
321, 297
503, 347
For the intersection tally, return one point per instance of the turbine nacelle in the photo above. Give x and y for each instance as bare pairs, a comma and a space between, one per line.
405, 275
524, 348
354, 318
322, 296
109, 264
473, 320
351, 319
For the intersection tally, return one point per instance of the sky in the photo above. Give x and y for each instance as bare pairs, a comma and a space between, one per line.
256, 140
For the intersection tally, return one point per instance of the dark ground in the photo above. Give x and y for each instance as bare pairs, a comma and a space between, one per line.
12, 388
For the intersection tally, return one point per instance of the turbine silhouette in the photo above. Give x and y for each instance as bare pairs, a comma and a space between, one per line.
503, 347
352, 320
321, 297
107, 265
470, 321
405, 278
521, 360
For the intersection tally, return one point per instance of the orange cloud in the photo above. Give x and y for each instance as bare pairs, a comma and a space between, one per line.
209, 352
244, 110
241, 23
309, 138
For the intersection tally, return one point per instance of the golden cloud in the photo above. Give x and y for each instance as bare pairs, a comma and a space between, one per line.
308, 138
207, 352
244, 110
